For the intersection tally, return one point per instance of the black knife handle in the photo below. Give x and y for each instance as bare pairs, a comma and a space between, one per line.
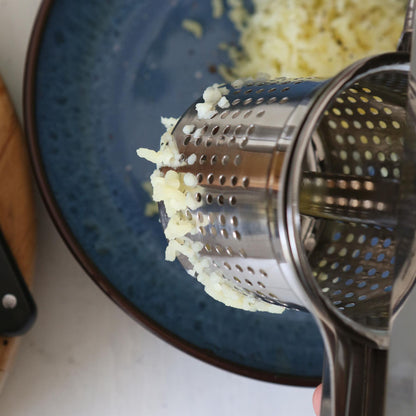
17, 307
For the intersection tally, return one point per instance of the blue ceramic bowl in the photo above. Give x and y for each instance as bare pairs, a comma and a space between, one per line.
99, 76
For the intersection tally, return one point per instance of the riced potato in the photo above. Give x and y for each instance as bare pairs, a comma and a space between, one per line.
193, 27
301, 38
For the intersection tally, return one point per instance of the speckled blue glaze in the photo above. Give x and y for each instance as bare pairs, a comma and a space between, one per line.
107, 71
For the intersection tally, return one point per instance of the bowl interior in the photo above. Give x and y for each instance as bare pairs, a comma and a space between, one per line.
104, 74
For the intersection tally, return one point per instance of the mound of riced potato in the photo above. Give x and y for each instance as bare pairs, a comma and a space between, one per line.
176, 190
302, 38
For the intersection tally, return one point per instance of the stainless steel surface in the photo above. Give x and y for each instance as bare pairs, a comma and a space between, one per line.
239, 170
361, 134
301, 184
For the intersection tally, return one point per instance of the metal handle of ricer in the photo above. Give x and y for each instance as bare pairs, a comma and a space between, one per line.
358, 373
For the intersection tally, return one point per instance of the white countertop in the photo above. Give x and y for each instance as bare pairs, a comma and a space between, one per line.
84, 356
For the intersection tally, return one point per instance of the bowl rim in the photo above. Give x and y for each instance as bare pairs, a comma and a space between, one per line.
52, 206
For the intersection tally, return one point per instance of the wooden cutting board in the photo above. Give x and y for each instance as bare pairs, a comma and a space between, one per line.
17, 209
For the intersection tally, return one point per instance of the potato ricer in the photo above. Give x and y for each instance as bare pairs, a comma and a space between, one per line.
301, 190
